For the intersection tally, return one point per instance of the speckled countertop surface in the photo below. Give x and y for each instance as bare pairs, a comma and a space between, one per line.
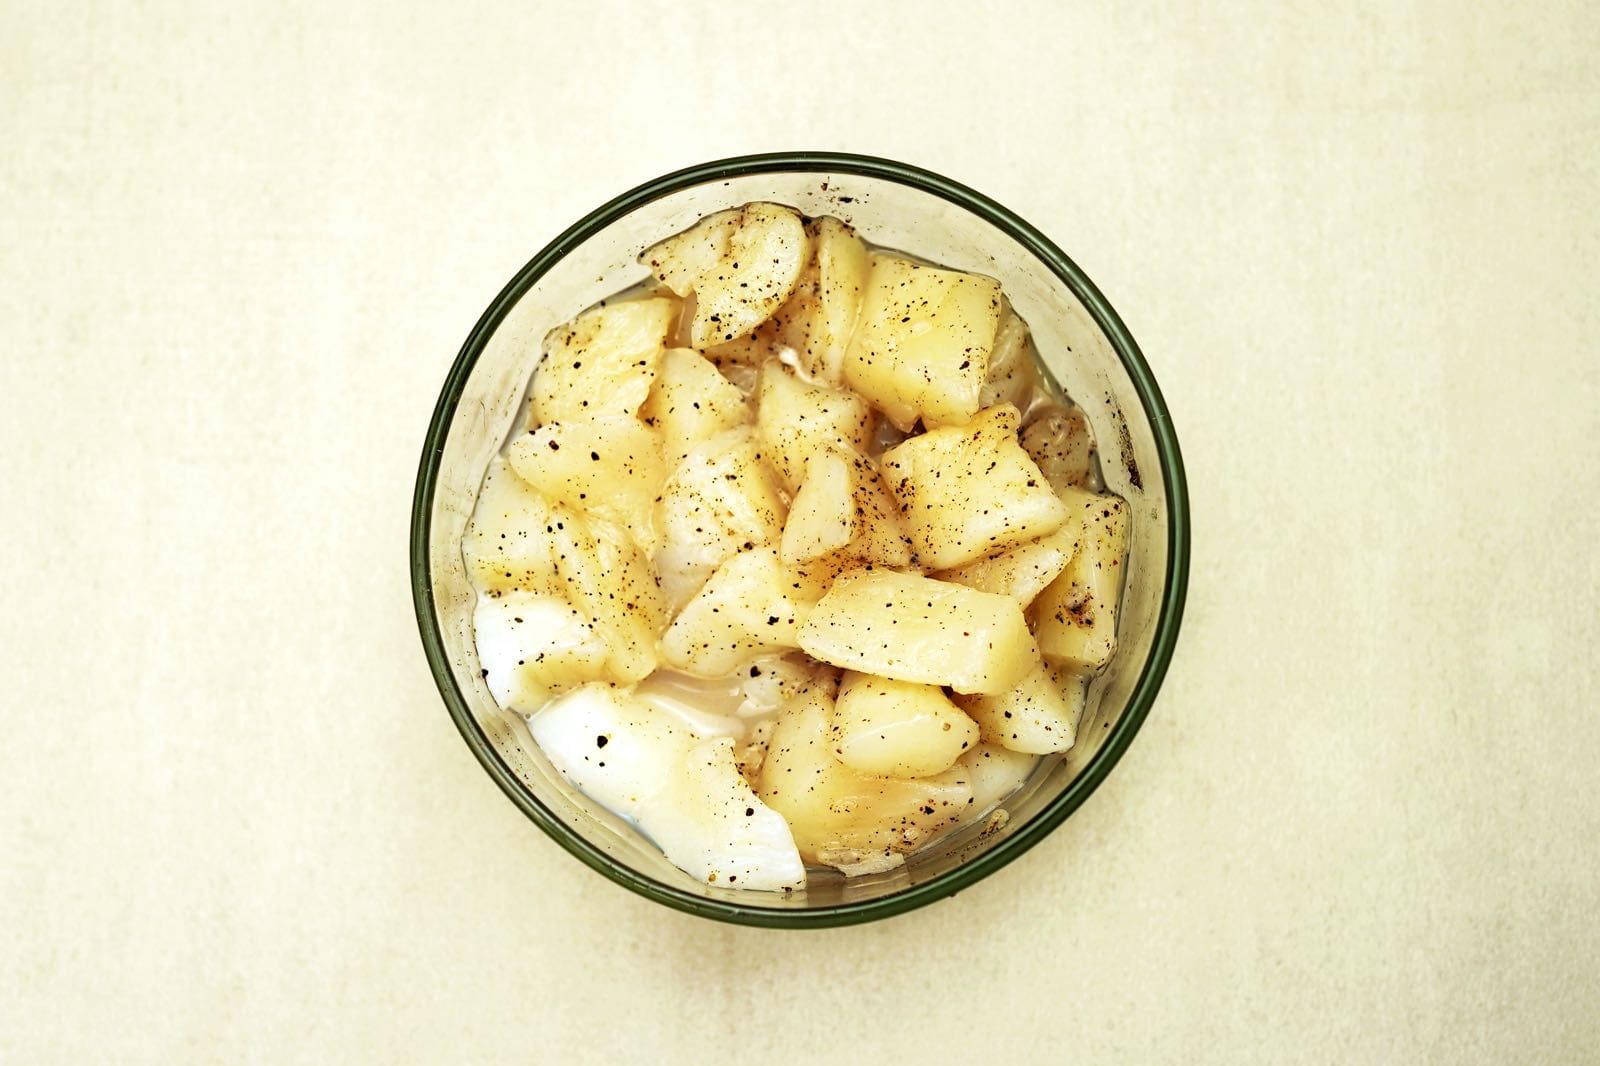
239, 246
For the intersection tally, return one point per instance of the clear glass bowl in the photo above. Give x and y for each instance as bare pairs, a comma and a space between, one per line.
1084, 345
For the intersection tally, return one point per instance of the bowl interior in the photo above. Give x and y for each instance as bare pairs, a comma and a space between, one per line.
1078, 338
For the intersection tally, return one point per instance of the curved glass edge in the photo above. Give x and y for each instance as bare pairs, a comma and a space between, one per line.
1175, 583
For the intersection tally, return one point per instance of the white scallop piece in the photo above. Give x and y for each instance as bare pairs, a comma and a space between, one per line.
711, 825
619, 751
684, 792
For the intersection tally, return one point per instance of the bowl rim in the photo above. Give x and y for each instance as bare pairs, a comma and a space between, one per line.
1142, 696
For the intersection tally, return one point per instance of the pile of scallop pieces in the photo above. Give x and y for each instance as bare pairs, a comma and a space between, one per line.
797, 560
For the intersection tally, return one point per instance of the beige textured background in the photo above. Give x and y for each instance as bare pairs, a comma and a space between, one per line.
240, 244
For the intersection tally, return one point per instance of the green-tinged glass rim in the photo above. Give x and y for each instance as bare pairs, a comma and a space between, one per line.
1144, 691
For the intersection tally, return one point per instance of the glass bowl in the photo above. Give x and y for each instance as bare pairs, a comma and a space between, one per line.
1084, 346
